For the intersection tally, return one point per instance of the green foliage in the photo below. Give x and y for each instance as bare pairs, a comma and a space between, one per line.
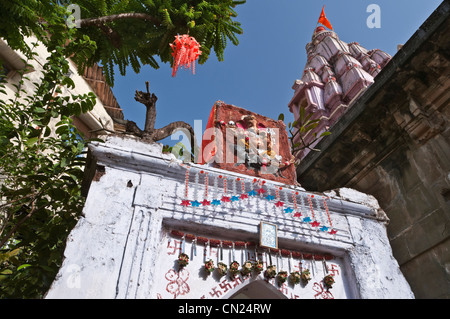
180, 151
41, 154
136, 42
127, 41
42, 164
301, 128
19, 20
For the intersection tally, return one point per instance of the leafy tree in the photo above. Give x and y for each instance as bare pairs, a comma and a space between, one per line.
40, 198
128, 33
21, 19
40, 195
134, 32
301, 128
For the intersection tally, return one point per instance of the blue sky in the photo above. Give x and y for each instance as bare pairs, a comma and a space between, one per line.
258, 73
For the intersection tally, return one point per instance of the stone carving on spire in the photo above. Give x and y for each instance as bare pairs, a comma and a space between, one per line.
335, 74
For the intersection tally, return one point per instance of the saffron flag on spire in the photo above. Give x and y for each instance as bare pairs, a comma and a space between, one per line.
323, 19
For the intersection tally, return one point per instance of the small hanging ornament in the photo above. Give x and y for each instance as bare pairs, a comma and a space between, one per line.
206, 252
222, 268
225, 198
206, 202
305, 276
328, 281
243, 194
235, 197
295, 277
185, 202
314, 223
185, 51
258, 266
209, 266
183, 244
271, 271
325, 268
183, 260
234, 269
194, 248
279, 203
232, 250
332, 231
297, 213
282, 277
247, 268
196, 185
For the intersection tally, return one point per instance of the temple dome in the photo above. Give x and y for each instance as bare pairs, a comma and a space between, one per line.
352, 66
335, 74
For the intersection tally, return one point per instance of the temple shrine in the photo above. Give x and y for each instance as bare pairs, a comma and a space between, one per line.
236, 225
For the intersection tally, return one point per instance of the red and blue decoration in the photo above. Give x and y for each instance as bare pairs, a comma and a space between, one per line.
318, 218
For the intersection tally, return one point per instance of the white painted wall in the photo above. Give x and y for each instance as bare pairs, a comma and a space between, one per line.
92, 119
122, 247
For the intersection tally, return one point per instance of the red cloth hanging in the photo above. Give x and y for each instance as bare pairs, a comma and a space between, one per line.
185, 51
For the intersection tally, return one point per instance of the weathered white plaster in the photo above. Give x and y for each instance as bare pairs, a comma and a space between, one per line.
96, 119
123, 248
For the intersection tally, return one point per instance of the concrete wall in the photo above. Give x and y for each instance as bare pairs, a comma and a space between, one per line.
123, 246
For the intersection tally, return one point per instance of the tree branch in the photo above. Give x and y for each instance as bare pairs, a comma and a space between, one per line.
150, 134
169, 129
149, 100
112, 35
23, 220
114, 17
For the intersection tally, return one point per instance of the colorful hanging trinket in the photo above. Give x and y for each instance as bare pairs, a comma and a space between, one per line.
305, 276
247, 268
282, 276
328, 281
186, 51
271, 271
295, 277
183, 260
185, 202
209, 266
258, 266
234, 268
222, 268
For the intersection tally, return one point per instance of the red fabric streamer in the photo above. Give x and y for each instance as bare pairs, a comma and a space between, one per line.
185, 51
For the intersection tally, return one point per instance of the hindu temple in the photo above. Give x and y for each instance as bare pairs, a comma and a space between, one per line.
336, 73
237, 224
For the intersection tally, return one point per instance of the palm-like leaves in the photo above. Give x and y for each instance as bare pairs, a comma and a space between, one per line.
137, 41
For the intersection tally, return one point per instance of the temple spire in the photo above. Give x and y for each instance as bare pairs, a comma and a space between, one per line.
336, 73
